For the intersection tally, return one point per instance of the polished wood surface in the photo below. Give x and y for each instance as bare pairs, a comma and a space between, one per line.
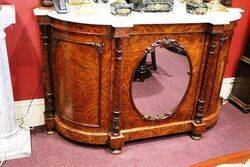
235, 158
89, 70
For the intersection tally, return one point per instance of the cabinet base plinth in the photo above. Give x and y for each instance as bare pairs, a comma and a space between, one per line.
115, 143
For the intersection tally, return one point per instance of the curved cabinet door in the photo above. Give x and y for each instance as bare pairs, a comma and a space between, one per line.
81, 91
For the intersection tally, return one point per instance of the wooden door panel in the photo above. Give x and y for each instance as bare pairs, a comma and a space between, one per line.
78, 82
194, 48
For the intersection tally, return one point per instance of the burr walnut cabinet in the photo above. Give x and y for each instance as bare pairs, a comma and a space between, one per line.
88, 76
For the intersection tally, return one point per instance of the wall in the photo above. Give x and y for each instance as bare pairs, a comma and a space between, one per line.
239, 40
25, 56
24, 50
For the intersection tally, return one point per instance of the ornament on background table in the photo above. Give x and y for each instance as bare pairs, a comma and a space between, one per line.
216, 5
223, 2
61, 6
153, 5
121, 8
197, 7
47, 3
101, 1
78, 2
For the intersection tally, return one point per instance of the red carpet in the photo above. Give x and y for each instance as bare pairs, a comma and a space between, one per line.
230, 134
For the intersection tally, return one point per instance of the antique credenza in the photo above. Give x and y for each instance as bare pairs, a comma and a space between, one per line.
89, 66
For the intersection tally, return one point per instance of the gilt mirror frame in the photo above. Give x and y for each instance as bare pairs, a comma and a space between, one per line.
173, 46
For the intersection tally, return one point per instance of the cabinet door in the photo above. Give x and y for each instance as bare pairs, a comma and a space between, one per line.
167, 93
80, 89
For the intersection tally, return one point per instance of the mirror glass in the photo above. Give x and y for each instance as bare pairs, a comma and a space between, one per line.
160, 82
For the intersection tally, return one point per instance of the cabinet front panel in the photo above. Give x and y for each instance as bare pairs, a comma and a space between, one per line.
78, 82
137, 44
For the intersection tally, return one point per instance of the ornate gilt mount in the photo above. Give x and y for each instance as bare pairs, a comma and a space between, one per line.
99, 46
199, 109
116, 121
223, 40
156, 117
169, 44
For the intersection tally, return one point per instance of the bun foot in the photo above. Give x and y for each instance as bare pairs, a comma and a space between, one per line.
49, 132
196, 136
115, 151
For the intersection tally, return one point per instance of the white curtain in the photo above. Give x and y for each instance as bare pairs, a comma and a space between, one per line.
14, 141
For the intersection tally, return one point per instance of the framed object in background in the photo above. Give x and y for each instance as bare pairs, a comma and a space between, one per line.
241, 89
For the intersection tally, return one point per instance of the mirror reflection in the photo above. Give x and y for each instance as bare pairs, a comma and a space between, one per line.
160, 82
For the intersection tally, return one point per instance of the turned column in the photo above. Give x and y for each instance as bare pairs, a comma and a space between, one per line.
217, 35
116, 137
49, 113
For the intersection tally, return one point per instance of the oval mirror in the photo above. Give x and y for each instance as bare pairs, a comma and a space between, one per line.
160, 80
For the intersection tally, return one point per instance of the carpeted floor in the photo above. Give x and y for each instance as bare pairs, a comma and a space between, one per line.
230, 134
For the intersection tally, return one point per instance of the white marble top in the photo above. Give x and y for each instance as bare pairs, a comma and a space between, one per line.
7, 16
99, 14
